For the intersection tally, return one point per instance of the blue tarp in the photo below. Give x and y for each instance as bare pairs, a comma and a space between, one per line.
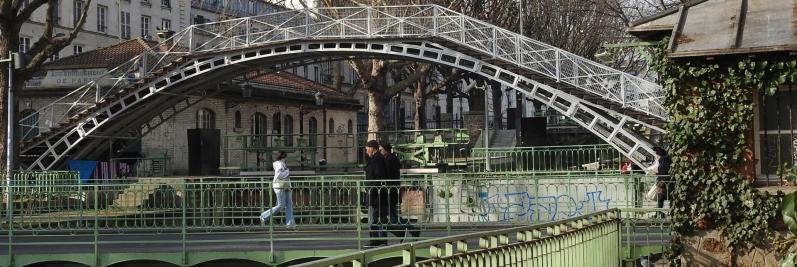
84, 167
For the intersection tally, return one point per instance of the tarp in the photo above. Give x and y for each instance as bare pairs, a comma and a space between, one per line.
84, 167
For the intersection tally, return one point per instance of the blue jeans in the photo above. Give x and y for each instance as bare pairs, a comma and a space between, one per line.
283, 201
377, 219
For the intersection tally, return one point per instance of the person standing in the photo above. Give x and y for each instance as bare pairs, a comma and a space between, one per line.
661, 168
375, 172
398, 225
282, 189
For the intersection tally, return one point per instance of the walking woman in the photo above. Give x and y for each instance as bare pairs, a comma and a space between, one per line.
282, 188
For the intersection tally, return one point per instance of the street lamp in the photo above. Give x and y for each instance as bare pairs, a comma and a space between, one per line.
15, 61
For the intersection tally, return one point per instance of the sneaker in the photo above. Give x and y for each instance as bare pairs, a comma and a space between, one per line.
373, 244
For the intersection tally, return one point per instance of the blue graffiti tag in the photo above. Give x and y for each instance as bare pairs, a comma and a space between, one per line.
523, 206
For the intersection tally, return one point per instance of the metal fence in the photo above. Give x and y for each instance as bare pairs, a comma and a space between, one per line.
586, 240
194, 212
553, 158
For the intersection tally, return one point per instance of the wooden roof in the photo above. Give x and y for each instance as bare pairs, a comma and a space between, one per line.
721, 27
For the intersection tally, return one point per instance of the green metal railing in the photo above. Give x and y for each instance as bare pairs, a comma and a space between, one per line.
195, 211
256, 152
587, 240
521, 159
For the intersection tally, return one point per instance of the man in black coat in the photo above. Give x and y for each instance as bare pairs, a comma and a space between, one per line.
398, 226
378, 199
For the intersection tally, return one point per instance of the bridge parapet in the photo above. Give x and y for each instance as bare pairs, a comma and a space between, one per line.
193, 215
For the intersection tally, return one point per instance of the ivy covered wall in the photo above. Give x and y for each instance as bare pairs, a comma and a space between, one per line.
711, 139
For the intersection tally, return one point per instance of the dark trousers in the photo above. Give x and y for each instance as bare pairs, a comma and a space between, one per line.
377, 217
387, 218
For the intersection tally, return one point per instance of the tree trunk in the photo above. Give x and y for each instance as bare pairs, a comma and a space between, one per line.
376, 101
4, 48
498, 121
420, 104
337, 75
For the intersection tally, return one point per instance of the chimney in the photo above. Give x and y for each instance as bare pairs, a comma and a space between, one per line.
165, 39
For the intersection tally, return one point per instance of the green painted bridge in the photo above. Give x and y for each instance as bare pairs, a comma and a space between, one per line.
202, 221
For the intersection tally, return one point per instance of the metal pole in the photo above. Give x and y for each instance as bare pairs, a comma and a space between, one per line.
486, 132
521, 18
10, 127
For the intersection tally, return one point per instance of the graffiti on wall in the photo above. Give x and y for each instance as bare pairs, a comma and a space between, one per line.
522, 206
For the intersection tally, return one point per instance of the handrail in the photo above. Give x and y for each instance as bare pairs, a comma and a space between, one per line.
525, 234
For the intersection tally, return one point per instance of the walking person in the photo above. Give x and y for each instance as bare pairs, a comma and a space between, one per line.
378, 199
282, 189
398, 226
661, 168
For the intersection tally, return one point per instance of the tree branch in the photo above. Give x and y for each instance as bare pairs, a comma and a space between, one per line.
48, 31
24, 14
407, 82
54, 45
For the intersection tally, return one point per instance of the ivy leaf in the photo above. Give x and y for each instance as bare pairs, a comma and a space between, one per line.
789, 212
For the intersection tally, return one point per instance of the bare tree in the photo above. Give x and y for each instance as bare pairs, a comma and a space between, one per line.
13, 14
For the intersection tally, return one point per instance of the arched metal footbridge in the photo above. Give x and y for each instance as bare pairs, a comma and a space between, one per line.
618, 107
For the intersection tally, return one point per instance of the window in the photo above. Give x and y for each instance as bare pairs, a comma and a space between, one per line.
288, 130
125, 27
331, 125
166, 3
277, 123
317, 74
24, 44
55, 56
199, 19
349, 127
30, 119
102, 18
259, 129
205, 119
166, 24
77, 6
312, 126
237, 122
77, 49
55, 15
145, 26
778, 130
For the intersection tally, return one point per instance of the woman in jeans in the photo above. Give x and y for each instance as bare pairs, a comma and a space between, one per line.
661, 168
282, 188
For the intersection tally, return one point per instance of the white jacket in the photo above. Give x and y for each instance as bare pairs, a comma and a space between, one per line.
281, 175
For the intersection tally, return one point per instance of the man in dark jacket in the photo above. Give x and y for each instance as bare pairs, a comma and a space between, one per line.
375, 172
398, 226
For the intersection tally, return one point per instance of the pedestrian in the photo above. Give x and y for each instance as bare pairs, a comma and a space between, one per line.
661, 168
398, 226
378, 200
282, 189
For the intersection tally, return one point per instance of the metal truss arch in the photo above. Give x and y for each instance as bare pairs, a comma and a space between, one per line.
612, 127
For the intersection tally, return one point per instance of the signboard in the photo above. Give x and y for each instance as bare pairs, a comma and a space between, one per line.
68, 78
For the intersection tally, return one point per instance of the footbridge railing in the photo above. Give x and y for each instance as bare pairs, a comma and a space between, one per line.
182, 219
587, 240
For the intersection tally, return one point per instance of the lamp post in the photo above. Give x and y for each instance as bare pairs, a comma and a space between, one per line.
14, 61
319, 101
